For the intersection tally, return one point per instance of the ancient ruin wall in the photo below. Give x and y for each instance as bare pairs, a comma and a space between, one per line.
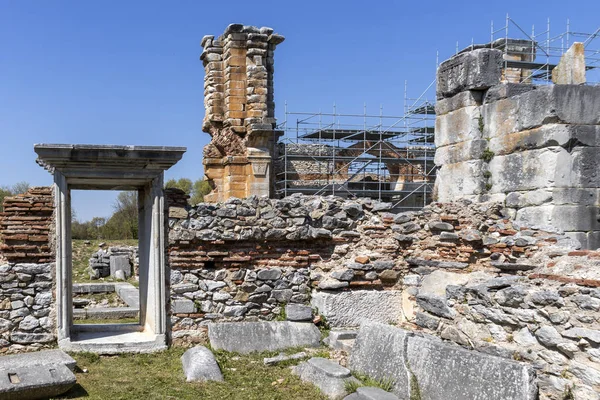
27, 314
240, 111
463, 271
533, 147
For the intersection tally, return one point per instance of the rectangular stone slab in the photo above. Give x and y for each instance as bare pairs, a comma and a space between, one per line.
379, 353
246, 337
441, 370
35, 381
446, 371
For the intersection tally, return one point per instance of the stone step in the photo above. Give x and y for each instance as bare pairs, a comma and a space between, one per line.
326, 374
371, 393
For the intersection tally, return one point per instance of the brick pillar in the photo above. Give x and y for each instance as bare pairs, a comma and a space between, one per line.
240, 111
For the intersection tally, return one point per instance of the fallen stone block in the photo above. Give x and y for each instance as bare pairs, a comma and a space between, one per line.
246, 337
283, 357
436, 369
348, 309
379, 353
35, 381
444, 371
327, 375
199, 364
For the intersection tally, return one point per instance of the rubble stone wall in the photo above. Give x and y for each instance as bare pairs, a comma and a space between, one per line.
533, 147
465, 272
27, 314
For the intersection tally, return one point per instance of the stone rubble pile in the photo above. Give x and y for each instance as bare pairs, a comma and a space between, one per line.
105, 263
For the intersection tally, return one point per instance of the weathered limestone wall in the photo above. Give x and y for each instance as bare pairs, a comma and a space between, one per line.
27, 314
240, 111
533, 147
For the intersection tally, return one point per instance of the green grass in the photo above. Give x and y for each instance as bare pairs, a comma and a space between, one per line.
365, 380
160, 376
82, 253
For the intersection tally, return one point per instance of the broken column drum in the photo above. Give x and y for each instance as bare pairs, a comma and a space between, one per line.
240, 111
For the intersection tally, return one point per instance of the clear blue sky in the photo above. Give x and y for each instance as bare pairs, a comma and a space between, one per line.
127, 72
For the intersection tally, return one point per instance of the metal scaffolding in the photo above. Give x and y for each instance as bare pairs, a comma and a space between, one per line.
384, 157
537, 53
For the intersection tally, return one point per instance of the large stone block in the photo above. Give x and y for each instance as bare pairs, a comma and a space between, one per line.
445, 371
571, 137
460, 100
585, 170
579, 196
577, 104
457, 126
563, 217
459, 152
474, 70
437, 370
588, 240
353, 308
36, 381
529, 170
120, 263
246, 337
458, 180
379, 352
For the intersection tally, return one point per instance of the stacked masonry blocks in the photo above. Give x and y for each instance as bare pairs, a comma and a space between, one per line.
533, 147
240, 111
25, 226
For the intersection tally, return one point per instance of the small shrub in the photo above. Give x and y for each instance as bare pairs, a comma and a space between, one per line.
487, 155
415, 390
481, 123
488, 187
351, 385
568, 393
487, 174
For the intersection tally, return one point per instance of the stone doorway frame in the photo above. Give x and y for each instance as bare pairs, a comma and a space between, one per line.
95, 167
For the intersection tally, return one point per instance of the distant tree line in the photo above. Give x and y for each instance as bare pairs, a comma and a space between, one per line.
7, 191
123, 223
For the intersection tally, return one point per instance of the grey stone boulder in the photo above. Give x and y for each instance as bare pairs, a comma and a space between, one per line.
371, 393
298, 312
35, 381
473, 70
327, 375
199, 364
246, 337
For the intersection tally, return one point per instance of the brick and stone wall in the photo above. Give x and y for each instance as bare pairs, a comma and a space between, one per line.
466, 272
533, 147
27, 314
26, 225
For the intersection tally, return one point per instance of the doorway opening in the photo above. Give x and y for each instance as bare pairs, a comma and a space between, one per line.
122, 168
105, 261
